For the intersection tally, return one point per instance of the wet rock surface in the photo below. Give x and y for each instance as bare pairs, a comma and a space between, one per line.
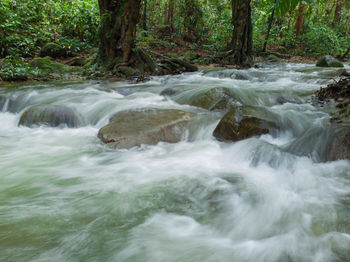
49, 115
339, 94
328, 61
241, 123
212, 99
147, 126
339, 147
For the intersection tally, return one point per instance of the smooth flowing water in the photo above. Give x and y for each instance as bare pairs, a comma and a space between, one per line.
65, 196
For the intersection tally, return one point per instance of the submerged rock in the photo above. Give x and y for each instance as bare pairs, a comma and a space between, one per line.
285, 99
328, 61
2, 102
240, 123
50, 115
213, 99
169, 92
149, 126
339, 92
339, 147
337, 73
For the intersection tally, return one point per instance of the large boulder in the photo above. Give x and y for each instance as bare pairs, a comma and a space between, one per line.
49, 115
328, 61
212, 99
242, 123
148, 126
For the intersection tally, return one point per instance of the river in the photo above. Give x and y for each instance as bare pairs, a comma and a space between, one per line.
65, 196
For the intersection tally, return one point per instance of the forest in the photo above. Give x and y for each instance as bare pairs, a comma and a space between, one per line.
200, 32
175, 130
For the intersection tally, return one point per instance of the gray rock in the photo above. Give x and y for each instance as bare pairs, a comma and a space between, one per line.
212, 99
328, 61
242, 123
148, 126
285, 99
50, 115
2, 102
339, 146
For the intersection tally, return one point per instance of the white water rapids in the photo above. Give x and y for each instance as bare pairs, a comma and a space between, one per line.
65, 196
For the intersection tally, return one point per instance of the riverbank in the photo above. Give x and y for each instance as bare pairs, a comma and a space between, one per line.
17, 69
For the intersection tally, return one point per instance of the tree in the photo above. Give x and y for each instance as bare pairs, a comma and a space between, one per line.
117, 30
192, 18
241, 43
272, 16
300, 20
144, 16
170, 16
339, 6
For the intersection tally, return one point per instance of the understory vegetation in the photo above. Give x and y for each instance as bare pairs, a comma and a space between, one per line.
196, 29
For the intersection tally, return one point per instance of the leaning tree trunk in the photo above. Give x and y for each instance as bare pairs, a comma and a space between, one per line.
117, 30
242, 43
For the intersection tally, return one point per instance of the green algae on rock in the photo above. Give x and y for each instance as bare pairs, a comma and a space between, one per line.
147, 126
328, 61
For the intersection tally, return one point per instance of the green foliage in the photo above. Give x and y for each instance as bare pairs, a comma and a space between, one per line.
322, 39
14, 68
26, 25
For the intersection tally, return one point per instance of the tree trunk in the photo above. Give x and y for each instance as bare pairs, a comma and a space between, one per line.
242, 43
337, 13
192, 15
300, 20
170, 15
272, 16
144, 17
117, 30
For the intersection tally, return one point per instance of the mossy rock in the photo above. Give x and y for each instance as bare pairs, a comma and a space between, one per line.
238, 124
127, 71
148, 126
49, 115
273, 59
213, 99
53, 50
45, 64
328, 61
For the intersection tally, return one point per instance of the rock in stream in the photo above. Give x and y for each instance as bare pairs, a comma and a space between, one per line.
50, 115
147, 126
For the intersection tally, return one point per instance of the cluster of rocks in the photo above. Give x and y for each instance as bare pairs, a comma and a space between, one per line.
338, 96
150, 126
132, 128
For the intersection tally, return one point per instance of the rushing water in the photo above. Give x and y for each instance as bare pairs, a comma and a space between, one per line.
64, 196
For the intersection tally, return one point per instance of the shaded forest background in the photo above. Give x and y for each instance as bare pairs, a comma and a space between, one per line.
197, 29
